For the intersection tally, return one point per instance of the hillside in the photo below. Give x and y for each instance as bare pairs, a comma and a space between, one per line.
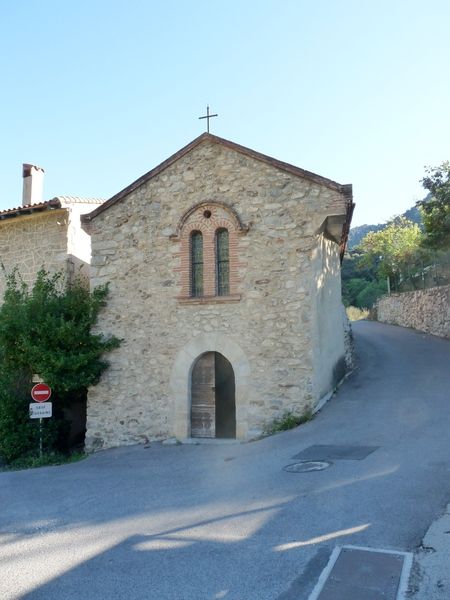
357, 233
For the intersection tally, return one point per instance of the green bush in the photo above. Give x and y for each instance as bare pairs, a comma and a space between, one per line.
46, 460
288, 421
368, 296
19, 435
47, 331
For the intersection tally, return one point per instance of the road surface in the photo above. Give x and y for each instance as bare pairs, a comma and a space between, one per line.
206, 522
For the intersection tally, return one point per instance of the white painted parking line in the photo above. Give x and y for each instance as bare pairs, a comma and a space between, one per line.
325, 573
342, 582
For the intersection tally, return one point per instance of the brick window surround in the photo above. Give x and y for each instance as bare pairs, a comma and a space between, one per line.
208, 218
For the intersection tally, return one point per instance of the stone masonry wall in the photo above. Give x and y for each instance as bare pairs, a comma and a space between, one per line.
349, 343
135, 248
328, 328
424, 310
30, 242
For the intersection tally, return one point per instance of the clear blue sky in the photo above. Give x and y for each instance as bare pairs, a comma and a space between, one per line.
99, 92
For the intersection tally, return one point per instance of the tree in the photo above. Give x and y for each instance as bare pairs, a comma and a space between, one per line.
351, 289
47, 331
360, 285
435, 208
370, 294
395, 250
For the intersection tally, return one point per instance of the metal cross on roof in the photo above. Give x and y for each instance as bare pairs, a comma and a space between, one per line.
208, 117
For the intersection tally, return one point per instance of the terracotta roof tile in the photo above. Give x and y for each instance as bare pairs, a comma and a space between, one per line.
78, 200
57, 202
30, 208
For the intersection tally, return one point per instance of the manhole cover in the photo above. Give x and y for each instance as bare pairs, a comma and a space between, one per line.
306, 466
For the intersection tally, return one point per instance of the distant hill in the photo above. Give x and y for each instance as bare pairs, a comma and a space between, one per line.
357, 233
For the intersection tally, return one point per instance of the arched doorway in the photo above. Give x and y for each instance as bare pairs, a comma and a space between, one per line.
213, 407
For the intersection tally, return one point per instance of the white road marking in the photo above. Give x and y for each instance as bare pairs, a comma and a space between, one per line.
404, 576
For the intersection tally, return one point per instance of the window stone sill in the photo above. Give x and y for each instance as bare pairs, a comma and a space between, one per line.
209, 299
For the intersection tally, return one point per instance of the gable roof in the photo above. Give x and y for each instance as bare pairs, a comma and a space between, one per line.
346, 190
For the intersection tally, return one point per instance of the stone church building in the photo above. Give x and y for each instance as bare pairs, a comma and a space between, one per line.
224, 274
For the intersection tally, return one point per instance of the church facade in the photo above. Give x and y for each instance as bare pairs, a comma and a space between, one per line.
224, 272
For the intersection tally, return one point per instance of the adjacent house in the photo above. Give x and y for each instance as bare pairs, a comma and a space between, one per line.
47, 234
44, 233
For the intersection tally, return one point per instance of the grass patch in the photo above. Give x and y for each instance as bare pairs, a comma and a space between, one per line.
288, 421
46, 460
356, 314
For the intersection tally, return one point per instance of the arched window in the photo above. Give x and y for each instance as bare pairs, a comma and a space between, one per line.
222, 262
196, 264
208, 268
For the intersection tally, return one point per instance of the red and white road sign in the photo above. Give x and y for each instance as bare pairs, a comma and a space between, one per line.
41, 392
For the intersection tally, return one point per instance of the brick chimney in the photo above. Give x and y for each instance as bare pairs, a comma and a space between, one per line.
33, 184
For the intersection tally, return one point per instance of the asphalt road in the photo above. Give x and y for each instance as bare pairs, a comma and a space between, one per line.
209, 522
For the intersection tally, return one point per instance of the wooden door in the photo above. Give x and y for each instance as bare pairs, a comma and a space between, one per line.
203, 397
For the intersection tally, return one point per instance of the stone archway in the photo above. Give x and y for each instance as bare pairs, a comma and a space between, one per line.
181, 377
213, 404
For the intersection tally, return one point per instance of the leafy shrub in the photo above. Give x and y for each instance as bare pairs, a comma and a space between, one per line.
368, 296
47, 459
46, 330
288, 421
18, 433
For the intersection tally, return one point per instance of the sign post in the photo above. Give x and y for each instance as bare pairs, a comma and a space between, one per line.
40, 393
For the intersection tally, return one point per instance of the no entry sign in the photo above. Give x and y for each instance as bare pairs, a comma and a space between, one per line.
41, 392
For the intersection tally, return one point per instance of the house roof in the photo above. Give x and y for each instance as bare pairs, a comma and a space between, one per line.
346, 190
78, 200
54, 203
30, 208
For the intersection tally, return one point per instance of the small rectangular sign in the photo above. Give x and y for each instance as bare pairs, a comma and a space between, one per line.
40, 410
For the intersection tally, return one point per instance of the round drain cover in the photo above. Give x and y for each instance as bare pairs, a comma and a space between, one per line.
307, 465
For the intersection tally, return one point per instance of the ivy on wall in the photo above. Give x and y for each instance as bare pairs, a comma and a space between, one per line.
47, 330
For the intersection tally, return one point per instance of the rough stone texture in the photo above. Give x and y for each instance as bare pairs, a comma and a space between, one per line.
327, 340
268, 334
30, 242
431, 577
348, 342
424, 310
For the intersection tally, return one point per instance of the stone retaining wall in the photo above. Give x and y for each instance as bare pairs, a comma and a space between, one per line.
424, 310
